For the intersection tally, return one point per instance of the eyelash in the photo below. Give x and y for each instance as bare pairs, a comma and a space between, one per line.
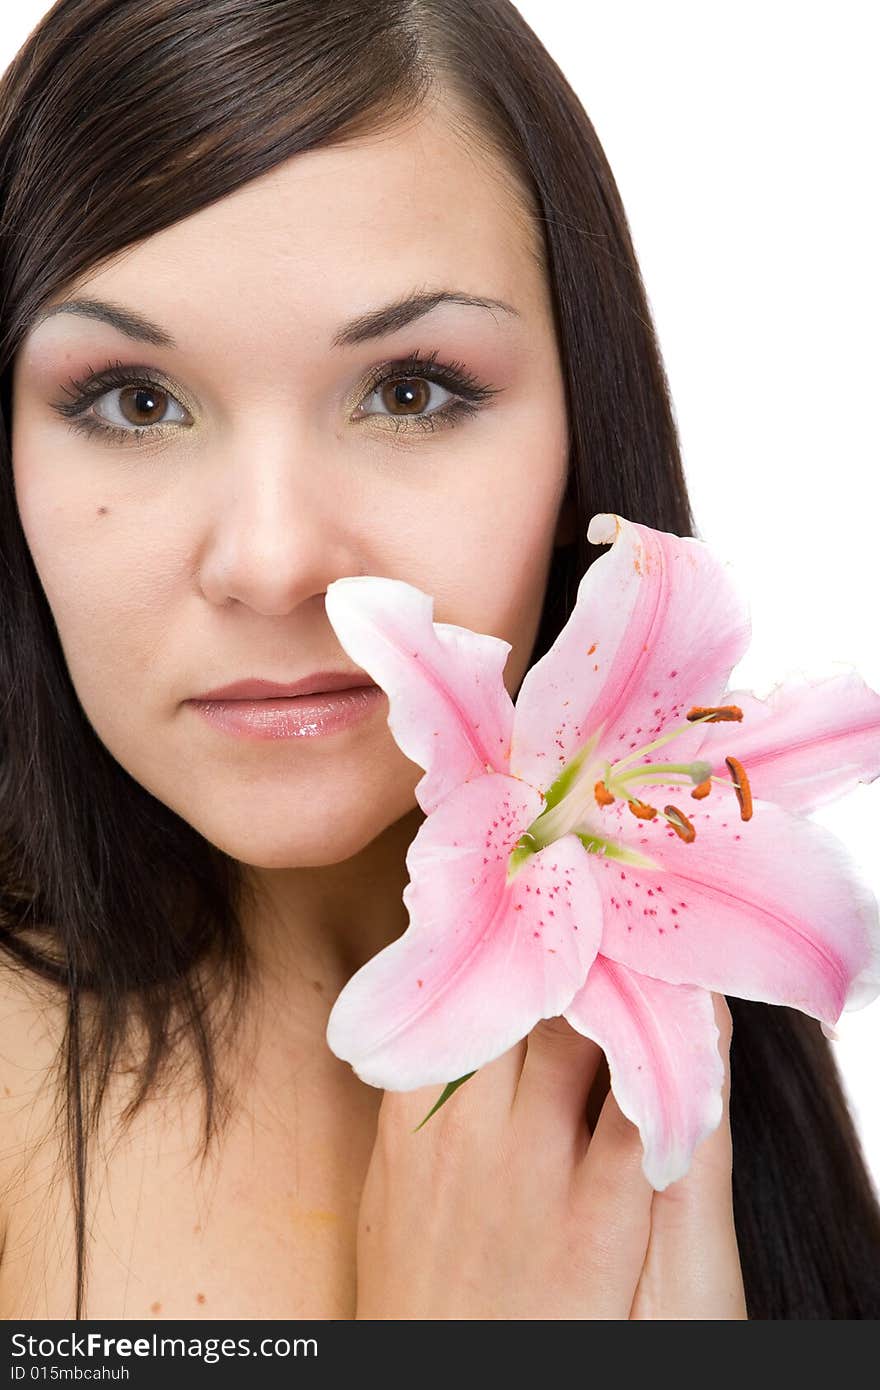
453, 376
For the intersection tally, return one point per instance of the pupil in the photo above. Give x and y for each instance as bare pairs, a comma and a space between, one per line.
145, 400
407, 393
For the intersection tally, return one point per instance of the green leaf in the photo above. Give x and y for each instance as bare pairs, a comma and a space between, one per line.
450, 1087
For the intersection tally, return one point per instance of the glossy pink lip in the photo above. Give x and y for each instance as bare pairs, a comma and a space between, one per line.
298, 716
256, 689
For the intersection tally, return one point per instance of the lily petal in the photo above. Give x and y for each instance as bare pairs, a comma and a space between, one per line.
481, 960
658, 625
807, 743
661, 1043
449, 710
773, 908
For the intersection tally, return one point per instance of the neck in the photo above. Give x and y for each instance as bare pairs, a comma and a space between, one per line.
312, 928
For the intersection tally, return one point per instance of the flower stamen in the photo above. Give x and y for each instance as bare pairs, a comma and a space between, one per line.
712, 713
741, 787
680, 823
658, 742
695, 772
577, 791
603, 795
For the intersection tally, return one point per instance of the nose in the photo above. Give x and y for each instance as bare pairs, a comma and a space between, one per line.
276, 529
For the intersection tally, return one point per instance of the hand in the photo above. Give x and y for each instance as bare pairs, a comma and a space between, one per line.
504, 1206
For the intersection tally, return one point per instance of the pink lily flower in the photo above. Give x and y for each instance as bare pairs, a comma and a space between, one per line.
542, 883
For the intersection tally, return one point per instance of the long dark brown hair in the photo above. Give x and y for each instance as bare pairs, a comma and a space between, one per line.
117, 119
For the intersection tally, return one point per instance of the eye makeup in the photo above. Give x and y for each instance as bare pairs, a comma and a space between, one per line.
453, 376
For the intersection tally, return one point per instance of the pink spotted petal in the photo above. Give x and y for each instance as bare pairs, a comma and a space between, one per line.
449, 710
480, 961
808, 743
657, 627
773, 908
661, 1044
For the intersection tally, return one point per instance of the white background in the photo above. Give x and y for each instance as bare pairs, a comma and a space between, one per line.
744, 142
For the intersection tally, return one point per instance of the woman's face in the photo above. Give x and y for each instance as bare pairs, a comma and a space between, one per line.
200, 553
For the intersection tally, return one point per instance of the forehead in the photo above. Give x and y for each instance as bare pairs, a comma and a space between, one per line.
416, 206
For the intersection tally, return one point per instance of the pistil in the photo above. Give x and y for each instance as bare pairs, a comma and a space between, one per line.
695, 772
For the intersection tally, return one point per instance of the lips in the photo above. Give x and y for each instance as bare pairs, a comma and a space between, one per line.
258, 689
307, 716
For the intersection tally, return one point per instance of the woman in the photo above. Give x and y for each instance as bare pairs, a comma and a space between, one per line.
355, 294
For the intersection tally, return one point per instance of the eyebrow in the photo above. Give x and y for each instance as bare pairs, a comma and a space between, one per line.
373, 324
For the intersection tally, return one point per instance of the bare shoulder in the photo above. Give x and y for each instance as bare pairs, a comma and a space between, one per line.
32, 1020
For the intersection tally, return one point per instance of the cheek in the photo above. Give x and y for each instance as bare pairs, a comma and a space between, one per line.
496, 585
104, 584
486, 558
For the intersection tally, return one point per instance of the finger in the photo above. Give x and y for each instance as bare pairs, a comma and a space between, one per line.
557, 1075
613, 1201
693, 1267
488, 1093
600, 1089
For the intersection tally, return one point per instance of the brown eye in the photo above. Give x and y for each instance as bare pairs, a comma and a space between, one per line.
142, 405
137, 405
411, 395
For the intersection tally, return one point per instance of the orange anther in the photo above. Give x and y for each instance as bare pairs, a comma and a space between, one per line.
680, 823
715, 712
603, 795
741, 787
702, 790
642, 809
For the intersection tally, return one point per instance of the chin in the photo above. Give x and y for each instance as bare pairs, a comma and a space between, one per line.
289, 847
292, 839
300, 827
